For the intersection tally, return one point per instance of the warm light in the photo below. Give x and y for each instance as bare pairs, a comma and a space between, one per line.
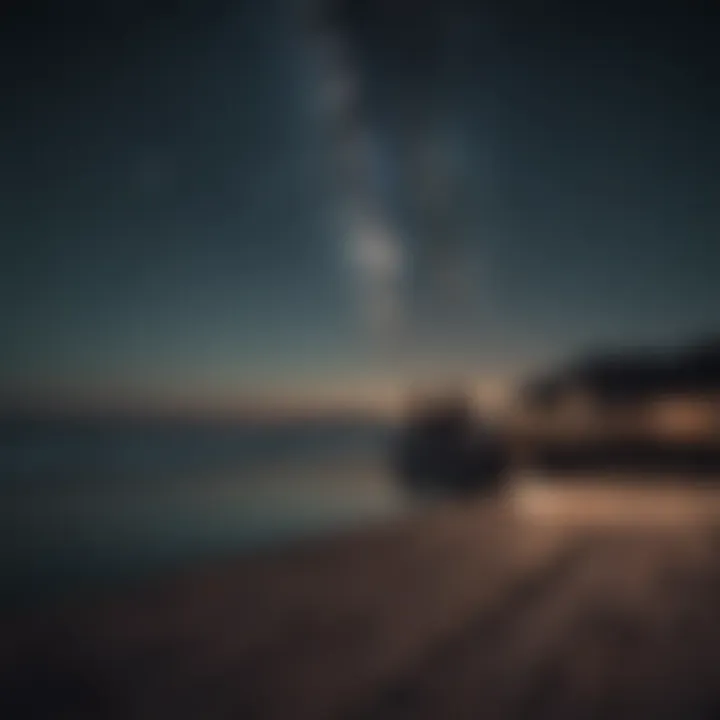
685, 417
593, 500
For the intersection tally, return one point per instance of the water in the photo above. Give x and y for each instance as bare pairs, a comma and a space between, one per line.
84, 505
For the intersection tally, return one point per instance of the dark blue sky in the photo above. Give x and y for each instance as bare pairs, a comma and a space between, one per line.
166, 207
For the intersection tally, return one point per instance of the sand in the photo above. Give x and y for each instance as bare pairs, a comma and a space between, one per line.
560, 606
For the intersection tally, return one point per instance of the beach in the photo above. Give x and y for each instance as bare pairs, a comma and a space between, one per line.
512, 607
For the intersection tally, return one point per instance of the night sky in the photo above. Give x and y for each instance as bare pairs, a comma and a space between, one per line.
167, 214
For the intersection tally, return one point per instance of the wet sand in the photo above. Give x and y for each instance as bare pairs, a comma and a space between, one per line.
556, 602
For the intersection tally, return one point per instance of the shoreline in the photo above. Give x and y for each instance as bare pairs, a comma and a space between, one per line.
455, 611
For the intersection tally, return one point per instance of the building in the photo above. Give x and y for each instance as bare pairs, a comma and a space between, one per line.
655, 407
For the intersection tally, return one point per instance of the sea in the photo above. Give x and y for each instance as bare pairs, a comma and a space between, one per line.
86, 505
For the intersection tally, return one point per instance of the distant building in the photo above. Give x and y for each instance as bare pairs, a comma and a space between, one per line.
634, 400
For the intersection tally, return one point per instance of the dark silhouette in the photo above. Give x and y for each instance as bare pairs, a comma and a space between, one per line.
443, 449
633, 376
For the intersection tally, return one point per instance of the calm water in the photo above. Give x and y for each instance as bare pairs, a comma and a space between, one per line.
85, 505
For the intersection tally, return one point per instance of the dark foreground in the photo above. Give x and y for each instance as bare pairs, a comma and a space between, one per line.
563, 604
